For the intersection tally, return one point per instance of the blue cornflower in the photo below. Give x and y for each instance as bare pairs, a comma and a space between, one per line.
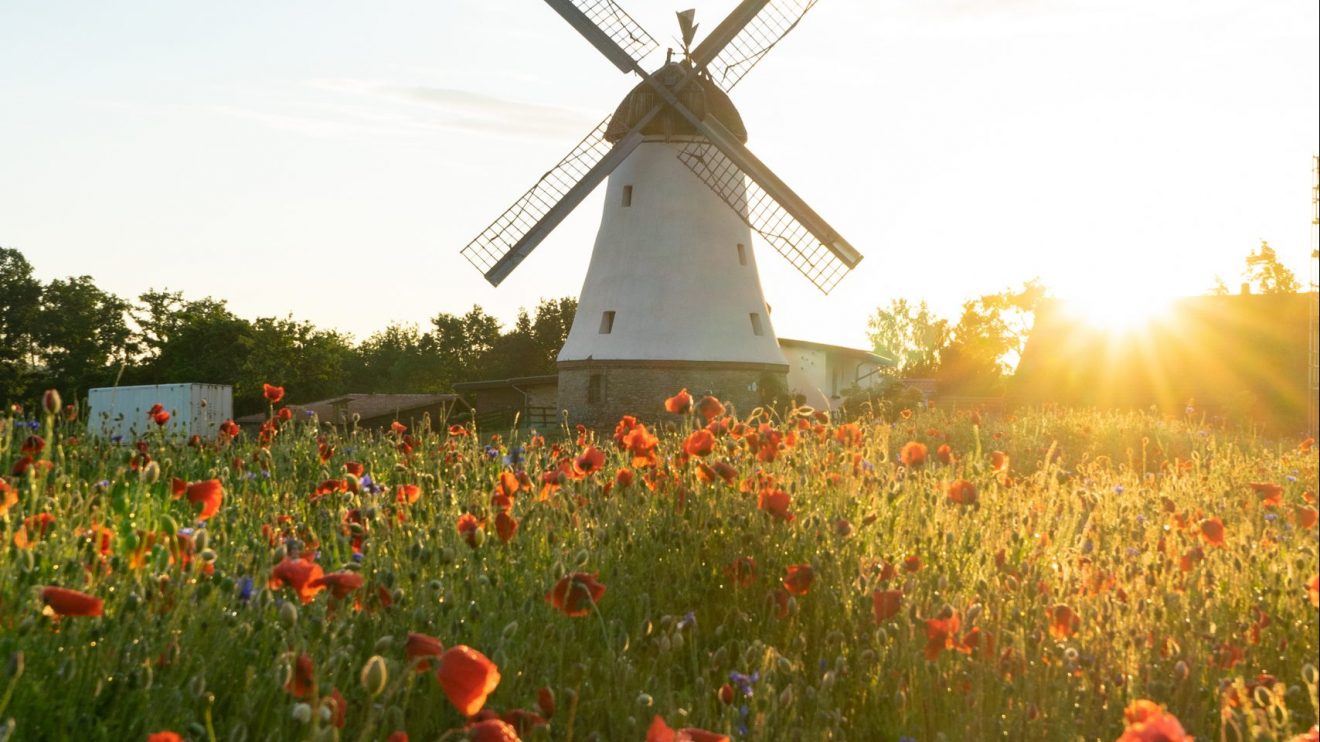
1118, 489
244, 589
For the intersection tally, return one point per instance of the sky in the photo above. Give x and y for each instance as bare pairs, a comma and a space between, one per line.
329, 159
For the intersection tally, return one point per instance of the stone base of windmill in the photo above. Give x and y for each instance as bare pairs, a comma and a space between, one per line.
597, 393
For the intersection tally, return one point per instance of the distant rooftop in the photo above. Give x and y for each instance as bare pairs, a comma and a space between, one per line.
365, 406
865, 355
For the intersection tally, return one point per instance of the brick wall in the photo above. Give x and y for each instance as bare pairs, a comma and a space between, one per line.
640, 387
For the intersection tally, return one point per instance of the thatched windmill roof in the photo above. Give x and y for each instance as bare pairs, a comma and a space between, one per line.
701, 96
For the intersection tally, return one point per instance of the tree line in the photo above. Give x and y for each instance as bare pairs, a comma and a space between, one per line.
72, 335
976, 355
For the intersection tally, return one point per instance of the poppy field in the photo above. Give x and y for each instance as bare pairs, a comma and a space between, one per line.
923, 574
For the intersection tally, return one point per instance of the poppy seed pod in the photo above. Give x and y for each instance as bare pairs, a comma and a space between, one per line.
302, 713
374, 676
50, 401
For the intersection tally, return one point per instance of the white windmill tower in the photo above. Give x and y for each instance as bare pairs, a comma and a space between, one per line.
672, 297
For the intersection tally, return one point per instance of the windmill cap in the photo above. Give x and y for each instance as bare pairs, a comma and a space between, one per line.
701, 96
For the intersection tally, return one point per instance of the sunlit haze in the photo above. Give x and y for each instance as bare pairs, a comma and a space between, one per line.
330, 159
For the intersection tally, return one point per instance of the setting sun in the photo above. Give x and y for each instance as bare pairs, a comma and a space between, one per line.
1118, 314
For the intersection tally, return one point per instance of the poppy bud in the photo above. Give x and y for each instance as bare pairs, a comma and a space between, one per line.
151, 473
786, 696
374, 676
302, 713
1180, 671
288, 614
509, 630
50, 401
644, 700
200, 540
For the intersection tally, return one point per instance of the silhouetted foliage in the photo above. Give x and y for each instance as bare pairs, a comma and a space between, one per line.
71, 335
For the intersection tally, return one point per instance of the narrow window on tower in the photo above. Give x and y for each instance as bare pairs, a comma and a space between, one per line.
756, 323
607, 322
627, 195
742, 254
596, 388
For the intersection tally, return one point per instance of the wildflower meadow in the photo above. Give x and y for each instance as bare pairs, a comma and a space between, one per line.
695, 574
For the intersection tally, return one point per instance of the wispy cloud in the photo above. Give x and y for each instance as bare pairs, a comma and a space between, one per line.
345, 107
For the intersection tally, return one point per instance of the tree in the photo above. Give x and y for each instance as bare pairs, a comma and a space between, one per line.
311, 363
463, 343
81, 335
988, 340
20, 302
1267, 275
913, 337
398, 359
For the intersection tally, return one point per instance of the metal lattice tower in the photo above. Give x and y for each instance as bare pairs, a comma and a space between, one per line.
1313, 279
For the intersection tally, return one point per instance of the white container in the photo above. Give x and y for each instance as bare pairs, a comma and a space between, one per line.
195, 409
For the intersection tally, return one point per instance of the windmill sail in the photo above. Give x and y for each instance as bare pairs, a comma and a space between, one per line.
502, 245
819, 261
768, 23
611, 30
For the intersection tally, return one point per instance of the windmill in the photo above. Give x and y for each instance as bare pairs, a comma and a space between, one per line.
672, 297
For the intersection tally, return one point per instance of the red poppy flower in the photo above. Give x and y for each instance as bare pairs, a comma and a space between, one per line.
999, 461
679, 404
299, 574
589, 462
574, 594
709, 408
273, 394
913, 454
1306, 445
775, 502
67, 602
468, 525
742, 571
491, 730
641, 444
509, 483
341, 584
422, 646
944, 454
8, 497
302, 673
623, 478
1063, 621
886, 604
1271, 495
32, 445
1305, 517
284, 414
338, 707
457, 431
962, 492
467, 677
699, 443
911, 563
210, 493
659, 731
1212, 530
407, 493
1147, 721
941, 634
798, 580
1313, 590
160, 418
164, 737
505, 526
230, 428
397, 736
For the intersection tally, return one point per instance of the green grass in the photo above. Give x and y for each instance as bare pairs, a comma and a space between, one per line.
1088, 516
